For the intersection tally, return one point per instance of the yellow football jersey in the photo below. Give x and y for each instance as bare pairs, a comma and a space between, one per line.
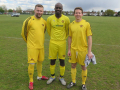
79, 31
33, 32
58, 28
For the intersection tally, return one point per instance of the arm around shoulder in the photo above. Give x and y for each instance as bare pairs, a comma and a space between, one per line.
23, 34
69, 45
25, 28
48, 26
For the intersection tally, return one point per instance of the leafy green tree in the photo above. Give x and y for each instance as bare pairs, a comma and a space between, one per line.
98, 13
1, 10
4, 8
32, 12
66, 12
109, 12
63, 12
93, 11
18, 9
88, 13
10, 10
48, 12
102, 11
119, 13
71, 12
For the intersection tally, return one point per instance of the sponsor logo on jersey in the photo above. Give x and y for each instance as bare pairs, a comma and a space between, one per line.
62, 21
59, 25
63, 55
32, 59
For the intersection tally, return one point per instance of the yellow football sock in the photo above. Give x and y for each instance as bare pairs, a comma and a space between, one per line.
62, 71
84, 76
73, 74
52, 71
39, 69
31, 72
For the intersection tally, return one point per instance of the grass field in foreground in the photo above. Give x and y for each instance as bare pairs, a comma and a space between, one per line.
105, 75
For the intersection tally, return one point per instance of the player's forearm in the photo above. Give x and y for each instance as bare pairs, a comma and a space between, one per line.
89, 44
69, 43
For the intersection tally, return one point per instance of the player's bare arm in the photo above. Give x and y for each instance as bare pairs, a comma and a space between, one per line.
69, 45
89, 47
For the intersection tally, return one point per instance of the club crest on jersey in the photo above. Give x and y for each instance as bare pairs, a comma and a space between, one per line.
42, 24
54, 20
32, 59
81, 25
62, 21
63, 55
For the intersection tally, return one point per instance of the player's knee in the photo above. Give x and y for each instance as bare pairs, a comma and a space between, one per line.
31, 65
62, 62
39, 62
83, 67
73, 65
52, 61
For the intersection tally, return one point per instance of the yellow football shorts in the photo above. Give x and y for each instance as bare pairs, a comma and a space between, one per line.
77, 56
57, 48
35, 55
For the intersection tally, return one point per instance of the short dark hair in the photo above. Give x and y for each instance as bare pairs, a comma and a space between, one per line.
38, 5
79, 9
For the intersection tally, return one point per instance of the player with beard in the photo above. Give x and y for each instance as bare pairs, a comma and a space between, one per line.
57, 28
33, 34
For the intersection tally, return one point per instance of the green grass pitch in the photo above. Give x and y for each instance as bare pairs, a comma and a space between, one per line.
105, 75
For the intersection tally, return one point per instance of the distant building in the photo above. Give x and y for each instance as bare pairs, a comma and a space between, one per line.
93, 13
28, 11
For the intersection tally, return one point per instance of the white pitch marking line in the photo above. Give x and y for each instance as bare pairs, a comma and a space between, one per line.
106, 45
48, 40
10, 37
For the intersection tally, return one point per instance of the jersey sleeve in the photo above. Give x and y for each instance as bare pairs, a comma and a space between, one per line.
70, 34
48, 26
25, 29
89, 31
67, 26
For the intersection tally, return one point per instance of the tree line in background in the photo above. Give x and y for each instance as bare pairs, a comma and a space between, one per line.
3, 9
108, 12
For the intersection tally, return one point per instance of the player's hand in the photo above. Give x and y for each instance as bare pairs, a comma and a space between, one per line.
90, 55
69, 53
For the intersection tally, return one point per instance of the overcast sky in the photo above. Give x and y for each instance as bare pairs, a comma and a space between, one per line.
87, 5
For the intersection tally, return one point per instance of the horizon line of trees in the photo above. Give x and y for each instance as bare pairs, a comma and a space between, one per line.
3, 9
108, 12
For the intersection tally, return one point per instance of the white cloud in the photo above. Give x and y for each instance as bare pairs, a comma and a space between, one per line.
3, 1
87, 5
